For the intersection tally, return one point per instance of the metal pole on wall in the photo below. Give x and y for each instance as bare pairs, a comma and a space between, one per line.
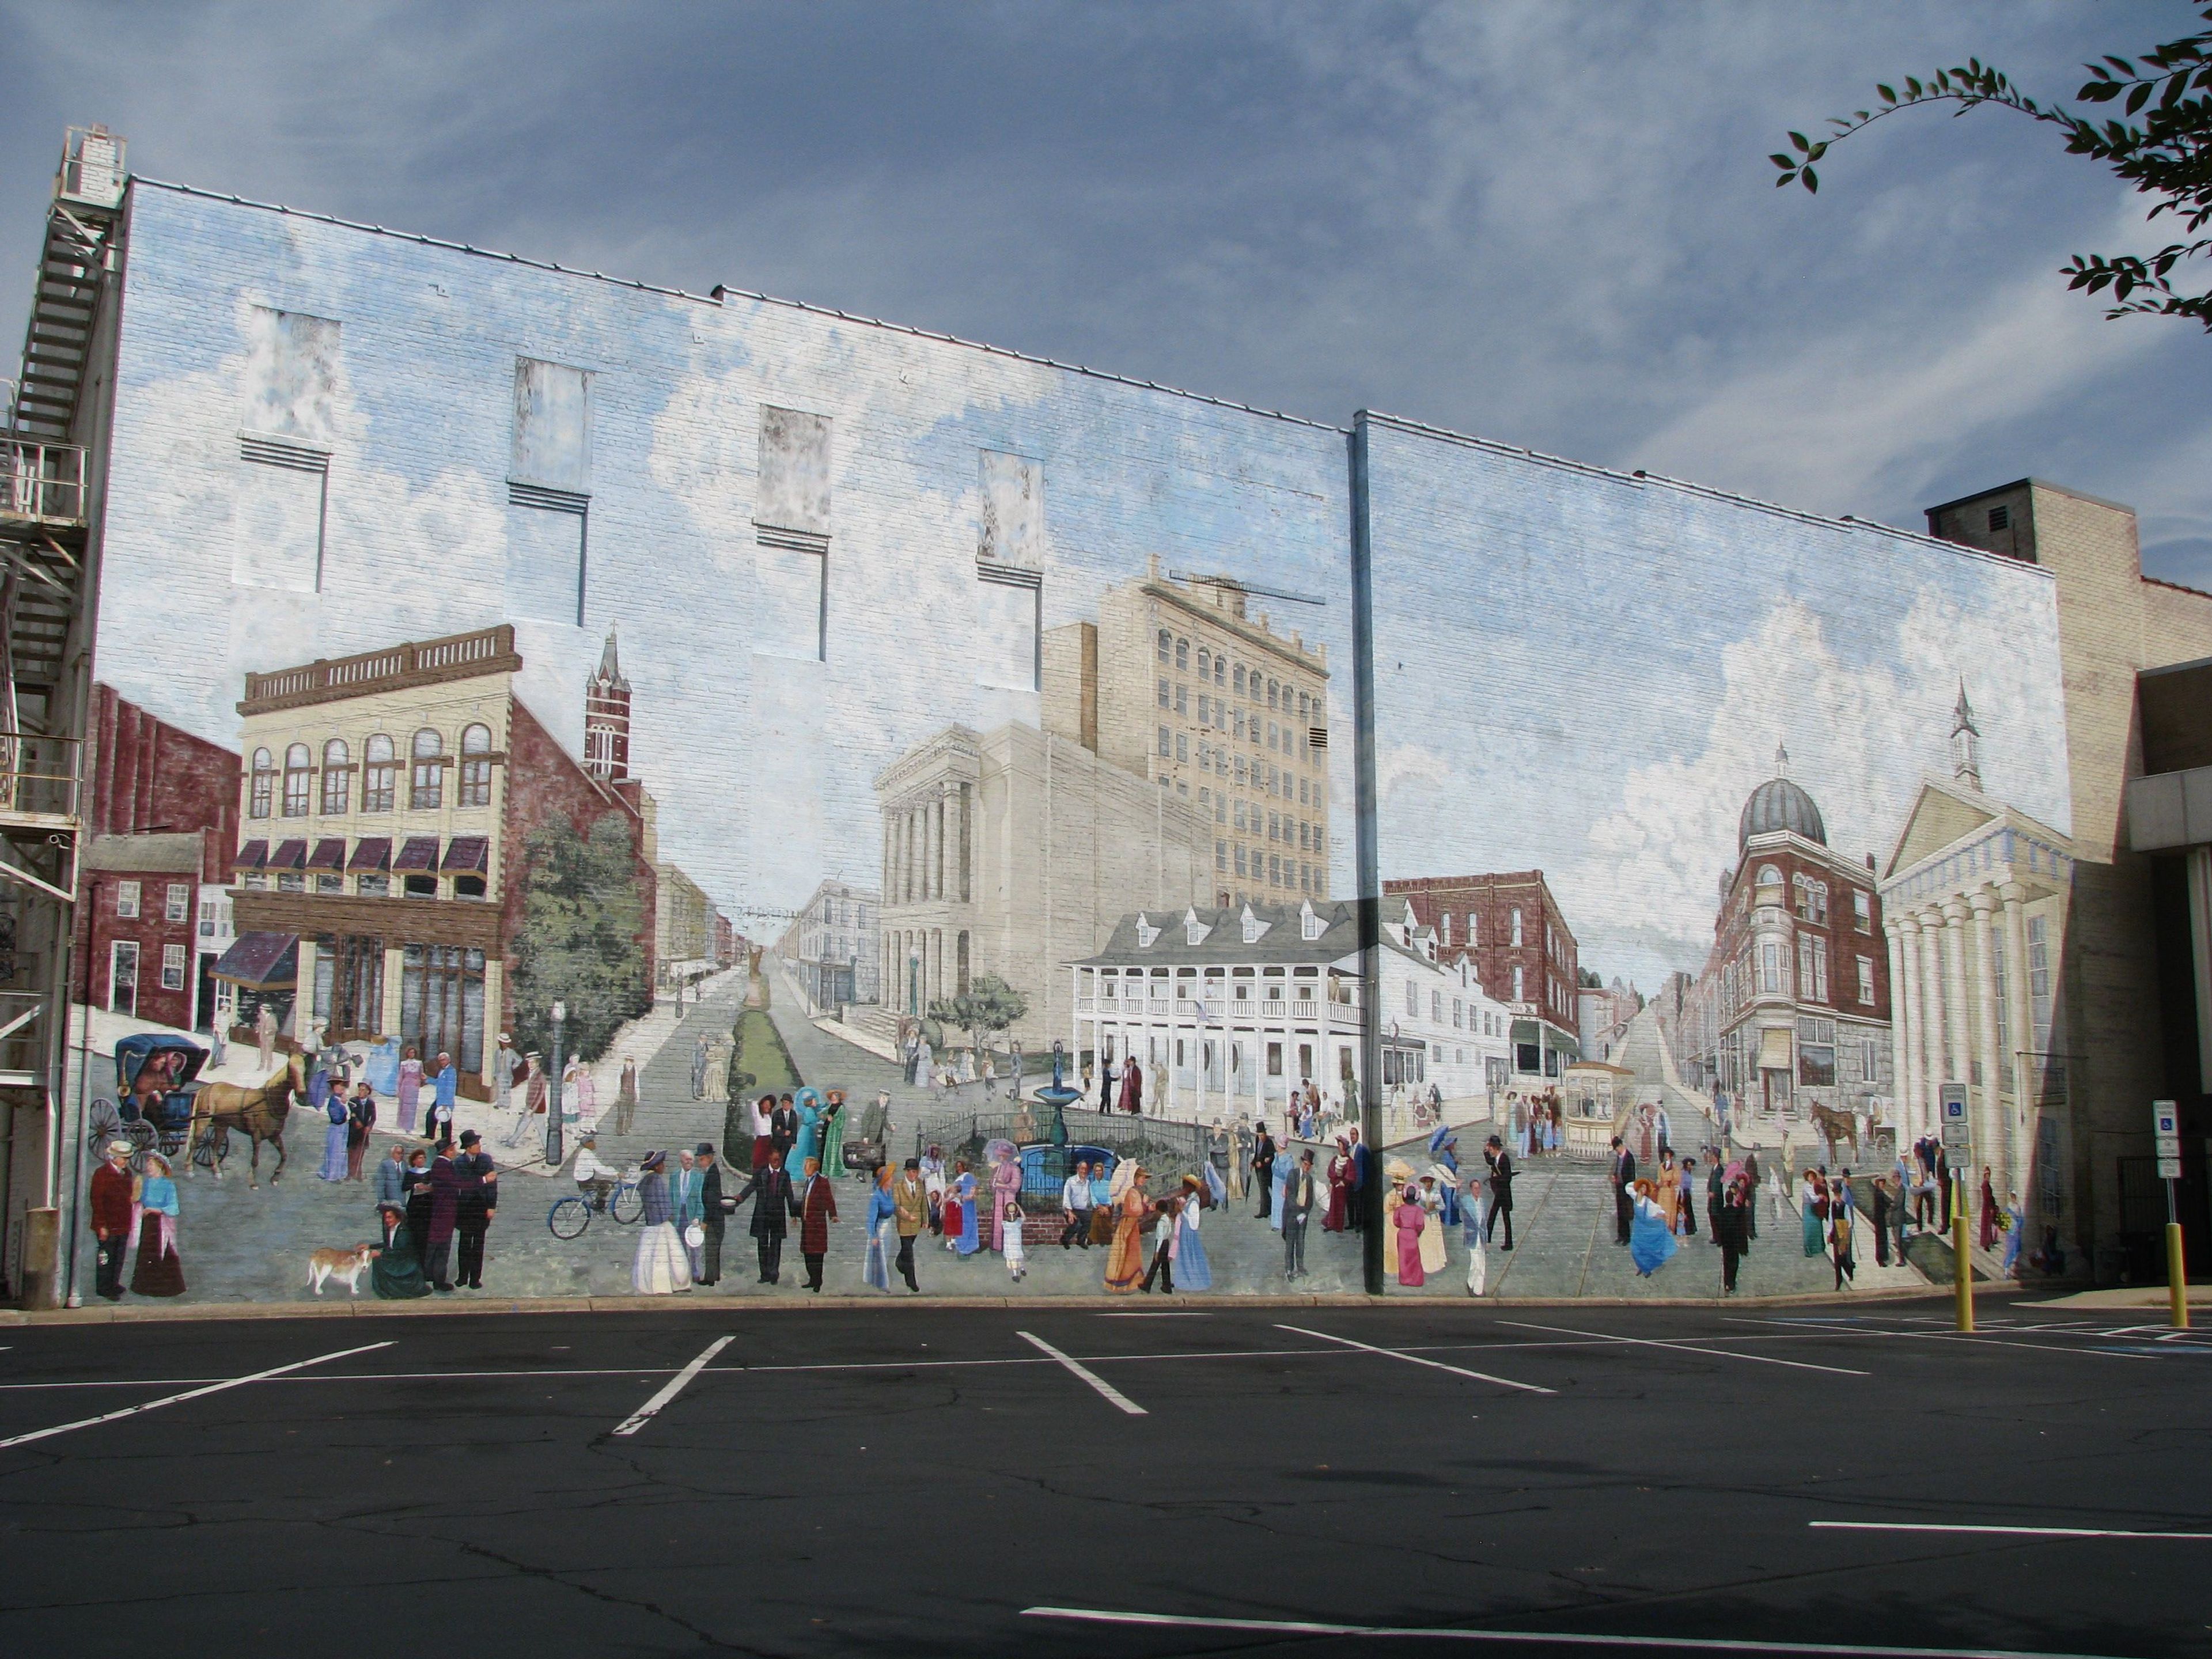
2177, 1271
1369, 885
1962, 1266
553, 1153
70, 1296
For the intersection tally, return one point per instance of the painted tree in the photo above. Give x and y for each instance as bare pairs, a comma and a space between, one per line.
988, 1006
2166, 155
582, 916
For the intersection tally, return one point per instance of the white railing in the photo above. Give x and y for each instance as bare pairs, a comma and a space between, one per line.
42, 483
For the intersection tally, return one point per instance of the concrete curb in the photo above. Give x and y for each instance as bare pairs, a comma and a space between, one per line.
438, 1308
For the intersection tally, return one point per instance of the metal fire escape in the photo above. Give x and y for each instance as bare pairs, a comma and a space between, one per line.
45, 509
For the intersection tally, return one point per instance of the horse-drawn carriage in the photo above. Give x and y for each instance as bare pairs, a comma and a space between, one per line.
156, 1082
162, 1105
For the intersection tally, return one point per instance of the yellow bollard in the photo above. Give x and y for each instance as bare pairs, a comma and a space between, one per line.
1962, 1265
2176, 1277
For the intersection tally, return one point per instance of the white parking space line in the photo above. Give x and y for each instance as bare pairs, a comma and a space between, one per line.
2008, 1532
1527, 1637
1684, 1347
1114, 1395
1944, 1336
1153, 1316
189, 1394
1416, 1359
675, 1385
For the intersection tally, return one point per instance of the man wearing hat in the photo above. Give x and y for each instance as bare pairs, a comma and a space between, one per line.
473, 1213
713, 1210
111, 1217
910, 1210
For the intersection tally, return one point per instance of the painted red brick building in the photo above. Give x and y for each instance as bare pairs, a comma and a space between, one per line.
1512, 929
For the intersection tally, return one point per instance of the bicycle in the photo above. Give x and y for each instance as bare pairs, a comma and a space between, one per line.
570, 1216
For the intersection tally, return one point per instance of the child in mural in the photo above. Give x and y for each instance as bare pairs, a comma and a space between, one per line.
410, 1090
580, 1098
931, 1167
1650, 1243
1165, 1218
159, 1270
1012, 1245
661, 1265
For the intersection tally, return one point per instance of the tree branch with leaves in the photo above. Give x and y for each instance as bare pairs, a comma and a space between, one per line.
2167, 154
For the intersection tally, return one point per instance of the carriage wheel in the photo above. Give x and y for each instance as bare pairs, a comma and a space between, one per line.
569, 1218
143, 1137
103, 1123
207, 1151
628, 1206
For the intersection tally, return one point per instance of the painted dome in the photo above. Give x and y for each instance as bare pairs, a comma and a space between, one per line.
1778, 803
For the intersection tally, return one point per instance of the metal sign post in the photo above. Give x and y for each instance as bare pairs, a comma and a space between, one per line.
2165, 1132
1958, 1145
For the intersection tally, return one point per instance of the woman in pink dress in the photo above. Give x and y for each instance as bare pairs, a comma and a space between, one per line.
1406, 1221
410, 1086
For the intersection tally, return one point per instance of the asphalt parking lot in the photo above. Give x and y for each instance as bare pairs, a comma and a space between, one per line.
1075, 1479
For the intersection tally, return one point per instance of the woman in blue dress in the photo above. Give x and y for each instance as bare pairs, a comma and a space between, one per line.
1443, 1146
1650, 1242
1285, 1161
1193, 1272
808, 1104
964, 1186
882, 1216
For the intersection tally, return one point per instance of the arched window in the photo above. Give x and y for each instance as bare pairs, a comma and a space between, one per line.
1182, 654
378, 774
1167, 644
298, 769
262, 801
425, 789
1240, 679
338, 776
1220, 669
1205, 662
1769, 876
1274, 692
475, 766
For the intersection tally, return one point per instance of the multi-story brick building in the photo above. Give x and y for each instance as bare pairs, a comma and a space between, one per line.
683, 928
138, 928
1792, 1009
385, 812
1208, 701
1512, 929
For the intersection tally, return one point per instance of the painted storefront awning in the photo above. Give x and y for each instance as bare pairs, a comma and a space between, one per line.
290, 855
1774, 1049
329, 853
261, 962
468, 852
252, 856
371, 853
421, 853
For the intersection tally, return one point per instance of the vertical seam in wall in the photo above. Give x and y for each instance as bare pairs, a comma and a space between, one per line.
1367, 881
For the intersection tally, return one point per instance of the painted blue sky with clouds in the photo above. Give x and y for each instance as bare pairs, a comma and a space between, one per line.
1551, 225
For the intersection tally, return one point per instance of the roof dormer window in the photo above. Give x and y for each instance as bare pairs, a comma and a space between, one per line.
1145, 933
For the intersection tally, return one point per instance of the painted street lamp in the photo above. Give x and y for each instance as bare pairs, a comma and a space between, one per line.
554, 1154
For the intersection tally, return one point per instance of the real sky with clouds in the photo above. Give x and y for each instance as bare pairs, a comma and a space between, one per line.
1552, 225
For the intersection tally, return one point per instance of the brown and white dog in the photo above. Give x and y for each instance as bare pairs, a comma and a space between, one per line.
348, 1264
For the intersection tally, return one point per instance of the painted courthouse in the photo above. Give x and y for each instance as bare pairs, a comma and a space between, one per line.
1085, 678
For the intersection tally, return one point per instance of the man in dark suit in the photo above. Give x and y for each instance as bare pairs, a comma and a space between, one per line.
1363, 1170
1298, 1207
783, 1131
1263, 1172
1624, 1172
712, 1214
1501, 1190
473, 1211
772, 1214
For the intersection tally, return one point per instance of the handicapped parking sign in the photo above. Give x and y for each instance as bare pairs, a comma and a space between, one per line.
1951, 1098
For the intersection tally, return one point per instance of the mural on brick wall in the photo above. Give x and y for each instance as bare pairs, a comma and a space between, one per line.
1756, 827
701, 796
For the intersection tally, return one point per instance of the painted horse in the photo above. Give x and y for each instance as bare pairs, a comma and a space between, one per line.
258, 1112
1833, 1126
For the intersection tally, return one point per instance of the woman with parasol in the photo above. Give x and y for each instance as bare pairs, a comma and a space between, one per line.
1443, 1146
1650, 1240
961, 1233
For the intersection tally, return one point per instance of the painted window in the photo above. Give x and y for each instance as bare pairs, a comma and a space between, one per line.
173, 967
178, 902
475, 766
1516, 928
1866, 981
337, 777
378, 776
261, 800
298, 770
1010, 605
126, 900
426, 784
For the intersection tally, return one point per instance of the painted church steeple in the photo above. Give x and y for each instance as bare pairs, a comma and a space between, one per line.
1966, 742
607, 718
